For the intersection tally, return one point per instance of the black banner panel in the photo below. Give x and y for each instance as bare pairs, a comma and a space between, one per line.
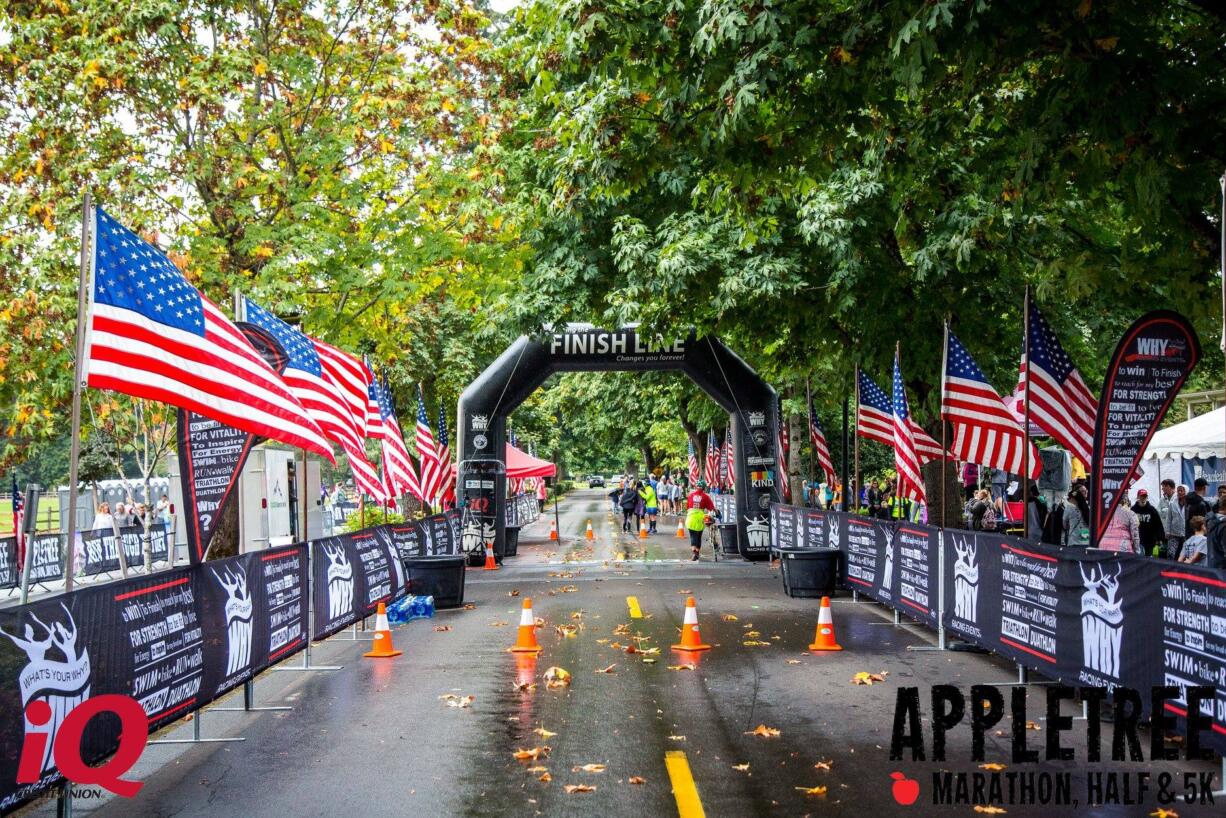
353, 573
102, 556
861, 554
917, 558
1193, 633
46, 558
10, 573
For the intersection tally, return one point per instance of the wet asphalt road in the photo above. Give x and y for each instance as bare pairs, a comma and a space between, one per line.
375, 738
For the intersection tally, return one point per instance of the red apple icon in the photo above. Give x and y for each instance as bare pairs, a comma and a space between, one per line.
906, 790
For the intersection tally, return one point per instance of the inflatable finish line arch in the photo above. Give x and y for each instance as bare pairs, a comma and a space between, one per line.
751, 403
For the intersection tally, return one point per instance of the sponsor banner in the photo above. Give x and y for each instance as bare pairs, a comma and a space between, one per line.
1149, 366
102, 556
811, 527
512, 513
10, 572
353, 573
46, 559
725, 504
972, 587
173, 642
1193, 634
407, 538
254, 613
444, 533
917, 560
864, 556
783, 527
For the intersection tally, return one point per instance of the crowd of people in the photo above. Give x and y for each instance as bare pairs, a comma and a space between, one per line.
645, 500
126, 515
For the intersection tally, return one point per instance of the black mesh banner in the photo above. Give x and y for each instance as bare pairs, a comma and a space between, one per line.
10, 574
353, 573
102, 556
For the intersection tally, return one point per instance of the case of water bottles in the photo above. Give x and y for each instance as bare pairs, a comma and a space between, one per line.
410, 607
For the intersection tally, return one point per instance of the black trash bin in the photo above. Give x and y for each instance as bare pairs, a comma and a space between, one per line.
441, 577
809, 572
727, 540
511, 547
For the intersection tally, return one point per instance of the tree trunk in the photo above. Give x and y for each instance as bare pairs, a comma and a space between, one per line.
795, 474
649, 458
952, 516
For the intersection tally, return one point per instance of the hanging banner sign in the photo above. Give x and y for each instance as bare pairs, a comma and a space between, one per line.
1149, 367
10, 573
212, 455
917, 557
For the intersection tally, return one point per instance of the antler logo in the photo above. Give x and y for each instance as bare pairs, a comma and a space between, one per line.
62, 682
238, 618
756, 418
758, 532
834, 539
966, 579
1102, 620
480, 423
471, 536
887, 572
340, 581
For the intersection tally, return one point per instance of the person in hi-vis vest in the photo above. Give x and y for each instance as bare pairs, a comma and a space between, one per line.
697, 504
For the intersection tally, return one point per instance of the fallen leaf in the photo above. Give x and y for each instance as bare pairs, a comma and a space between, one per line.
523, 686
993, 767
498, 624
590, 768
649, 651
543, 733
764, 731
794, 661
989, 810
685, 591
740, 768
608, 669
457, 701
823, 765
557, 677
1164, 813
752, 634
441, 628
576, 614
676, 738
811, 790
546, 777
531, 755
513, 593
579, 788
1033, 725
470, 606
754, 643
863, 678
637, 779
686, 666
729, 617
602, 641
538, 769
568, 631
567, 589
649, 661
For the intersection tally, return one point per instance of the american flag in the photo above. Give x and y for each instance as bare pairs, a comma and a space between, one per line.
153, 335
332, 387
875, 421
446, 471
906, 461
399, 475
19, 518
985, 432
712, 459
782, 451
729, 458
1060, 402
821, 448
694, 473
427, 455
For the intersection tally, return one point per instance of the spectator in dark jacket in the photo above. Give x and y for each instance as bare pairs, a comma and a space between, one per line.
1149, 524
629, 501
1197, 505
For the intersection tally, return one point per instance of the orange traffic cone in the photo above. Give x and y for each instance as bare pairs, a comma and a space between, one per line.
680, 530
526, 641
690, 639
382, 648
490, 563
591, 535
824, 640
553, 529
642, 529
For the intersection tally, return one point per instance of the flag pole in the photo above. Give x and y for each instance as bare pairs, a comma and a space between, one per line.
1026, 417
856, 444
87, 215
1222, 225
809, 408
944, 426
846, 446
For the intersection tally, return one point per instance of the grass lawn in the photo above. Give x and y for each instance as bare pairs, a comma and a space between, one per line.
48, 514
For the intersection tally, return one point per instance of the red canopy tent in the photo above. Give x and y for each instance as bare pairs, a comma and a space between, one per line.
520, 464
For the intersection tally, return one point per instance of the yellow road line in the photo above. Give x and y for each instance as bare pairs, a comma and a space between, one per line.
689, 805
632, 602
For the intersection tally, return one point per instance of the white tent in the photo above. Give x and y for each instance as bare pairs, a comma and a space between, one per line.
1198, 439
